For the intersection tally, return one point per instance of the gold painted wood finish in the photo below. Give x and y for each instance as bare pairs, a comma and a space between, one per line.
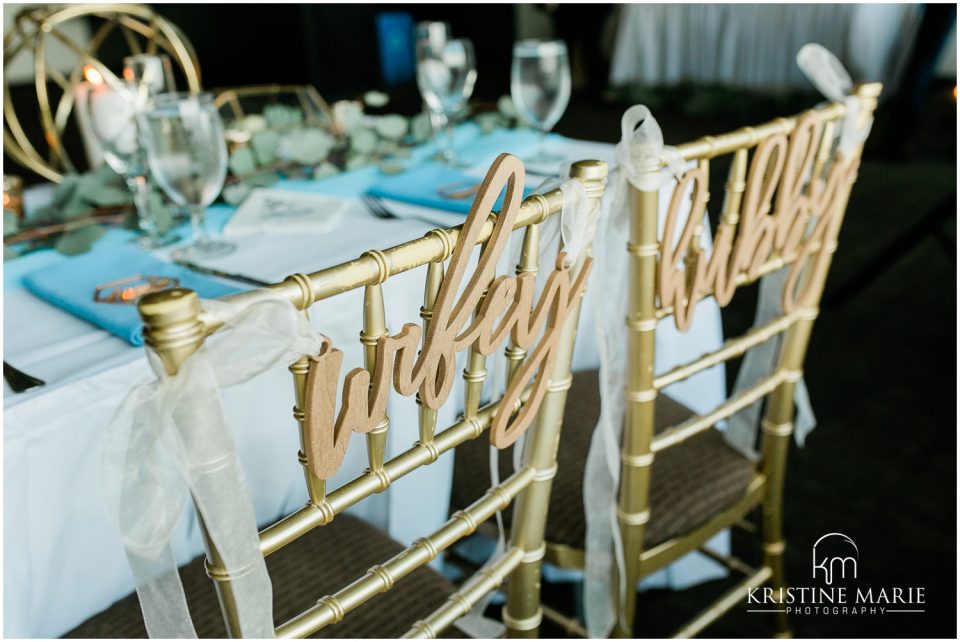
142, 30
176, 325
772, 216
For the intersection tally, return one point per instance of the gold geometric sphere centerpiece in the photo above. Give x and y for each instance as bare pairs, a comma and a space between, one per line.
137, 27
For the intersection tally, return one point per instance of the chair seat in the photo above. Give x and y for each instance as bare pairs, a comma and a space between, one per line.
690, 482
315, 565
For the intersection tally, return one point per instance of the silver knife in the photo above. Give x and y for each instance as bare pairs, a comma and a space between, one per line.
240, 278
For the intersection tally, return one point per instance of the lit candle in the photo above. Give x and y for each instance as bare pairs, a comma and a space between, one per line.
103, 115
81, 96
13, 194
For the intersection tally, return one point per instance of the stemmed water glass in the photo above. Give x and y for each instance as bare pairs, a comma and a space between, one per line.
187, 154
540, 87
150, 74
114, 111
446, 73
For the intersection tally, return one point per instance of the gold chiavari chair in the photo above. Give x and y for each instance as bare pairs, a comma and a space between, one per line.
316, 555
35, 29
680, 482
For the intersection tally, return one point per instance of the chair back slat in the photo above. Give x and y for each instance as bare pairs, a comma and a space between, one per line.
427, 417
374, 328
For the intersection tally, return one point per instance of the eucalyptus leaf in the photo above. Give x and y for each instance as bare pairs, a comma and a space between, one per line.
309, 146
65, 191
265, 146
236, 193
376, 99
242, 161
325, 170
489, 121
391, 126
387, 148
391, 166
363, 141
74, 208
506, 107
420, 127
93, 190
163, 215
357, 161
279, 115
253, 123
79, 240
10, 225
261, 180
348, 115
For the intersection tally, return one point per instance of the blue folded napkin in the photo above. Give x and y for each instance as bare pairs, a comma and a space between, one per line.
70, 285
423, 185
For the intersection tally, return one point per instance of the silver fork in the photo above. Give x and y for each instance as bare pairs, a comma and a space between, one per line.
376, 206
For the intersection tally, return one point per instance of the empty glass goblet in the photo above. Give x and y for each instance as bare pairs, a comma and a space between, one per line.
187, 154
540, 87
446, 74
150, 74
114, 111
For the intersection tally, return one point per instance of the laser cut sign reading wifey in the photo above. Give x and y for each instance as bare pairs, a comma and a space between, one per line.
508, 309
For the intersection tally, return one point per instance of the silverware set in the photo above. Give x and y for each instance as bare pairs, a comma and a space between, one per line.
376, 206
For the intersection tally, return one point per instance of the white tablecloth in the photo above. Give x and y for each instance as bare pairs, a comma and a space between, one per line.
63, 563
754, 45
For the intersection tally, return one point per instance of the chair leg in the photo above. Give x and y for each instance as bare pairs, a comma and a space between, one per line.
773, 558
626, 604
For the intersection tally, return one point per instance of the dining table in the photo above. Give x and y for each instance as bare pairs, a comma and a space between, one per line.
64, 563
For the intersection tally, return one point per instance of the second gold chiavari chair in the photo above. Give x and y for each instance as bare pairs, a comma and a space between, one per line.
680, 483
316, 556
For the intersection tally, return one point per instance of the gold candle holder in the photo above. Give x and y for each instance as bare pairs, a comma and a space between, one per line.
13, 194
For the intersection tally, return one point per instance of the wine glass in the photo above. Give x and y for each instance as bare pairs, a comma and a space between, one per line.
435, 33
540, 87
150, 74
446, 73
113, 112
187, 154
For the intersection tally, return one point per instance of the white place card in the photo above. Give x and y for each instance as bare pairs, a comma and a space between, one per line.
285, 212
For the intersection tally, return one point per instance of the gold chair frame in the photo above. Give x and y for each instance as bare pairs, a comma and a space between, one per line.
645, 309
176, 325
30, 31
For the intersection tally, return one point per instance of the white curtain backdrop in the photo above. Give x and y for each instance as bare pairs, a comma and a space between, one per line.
754, 45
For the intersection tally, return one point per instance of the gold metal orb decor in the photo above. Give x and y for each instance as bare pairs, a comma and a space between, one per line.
35, 29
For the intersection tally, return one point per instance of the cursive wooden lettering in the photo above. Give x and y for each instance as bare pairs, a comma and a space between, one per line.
806, 211
507, 310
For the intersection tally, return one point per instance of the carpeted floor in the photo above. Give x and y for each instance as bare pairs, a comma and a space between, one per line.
881, 465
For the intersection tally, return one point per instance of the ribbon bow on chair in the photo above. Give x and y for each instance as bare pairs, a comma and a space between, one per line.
640, 155
831, 78
169, 438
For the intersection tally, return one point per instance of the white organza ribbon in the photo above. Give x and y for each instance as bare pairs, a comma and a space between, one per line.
640, 154
829, 76
170, 440
758, 363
